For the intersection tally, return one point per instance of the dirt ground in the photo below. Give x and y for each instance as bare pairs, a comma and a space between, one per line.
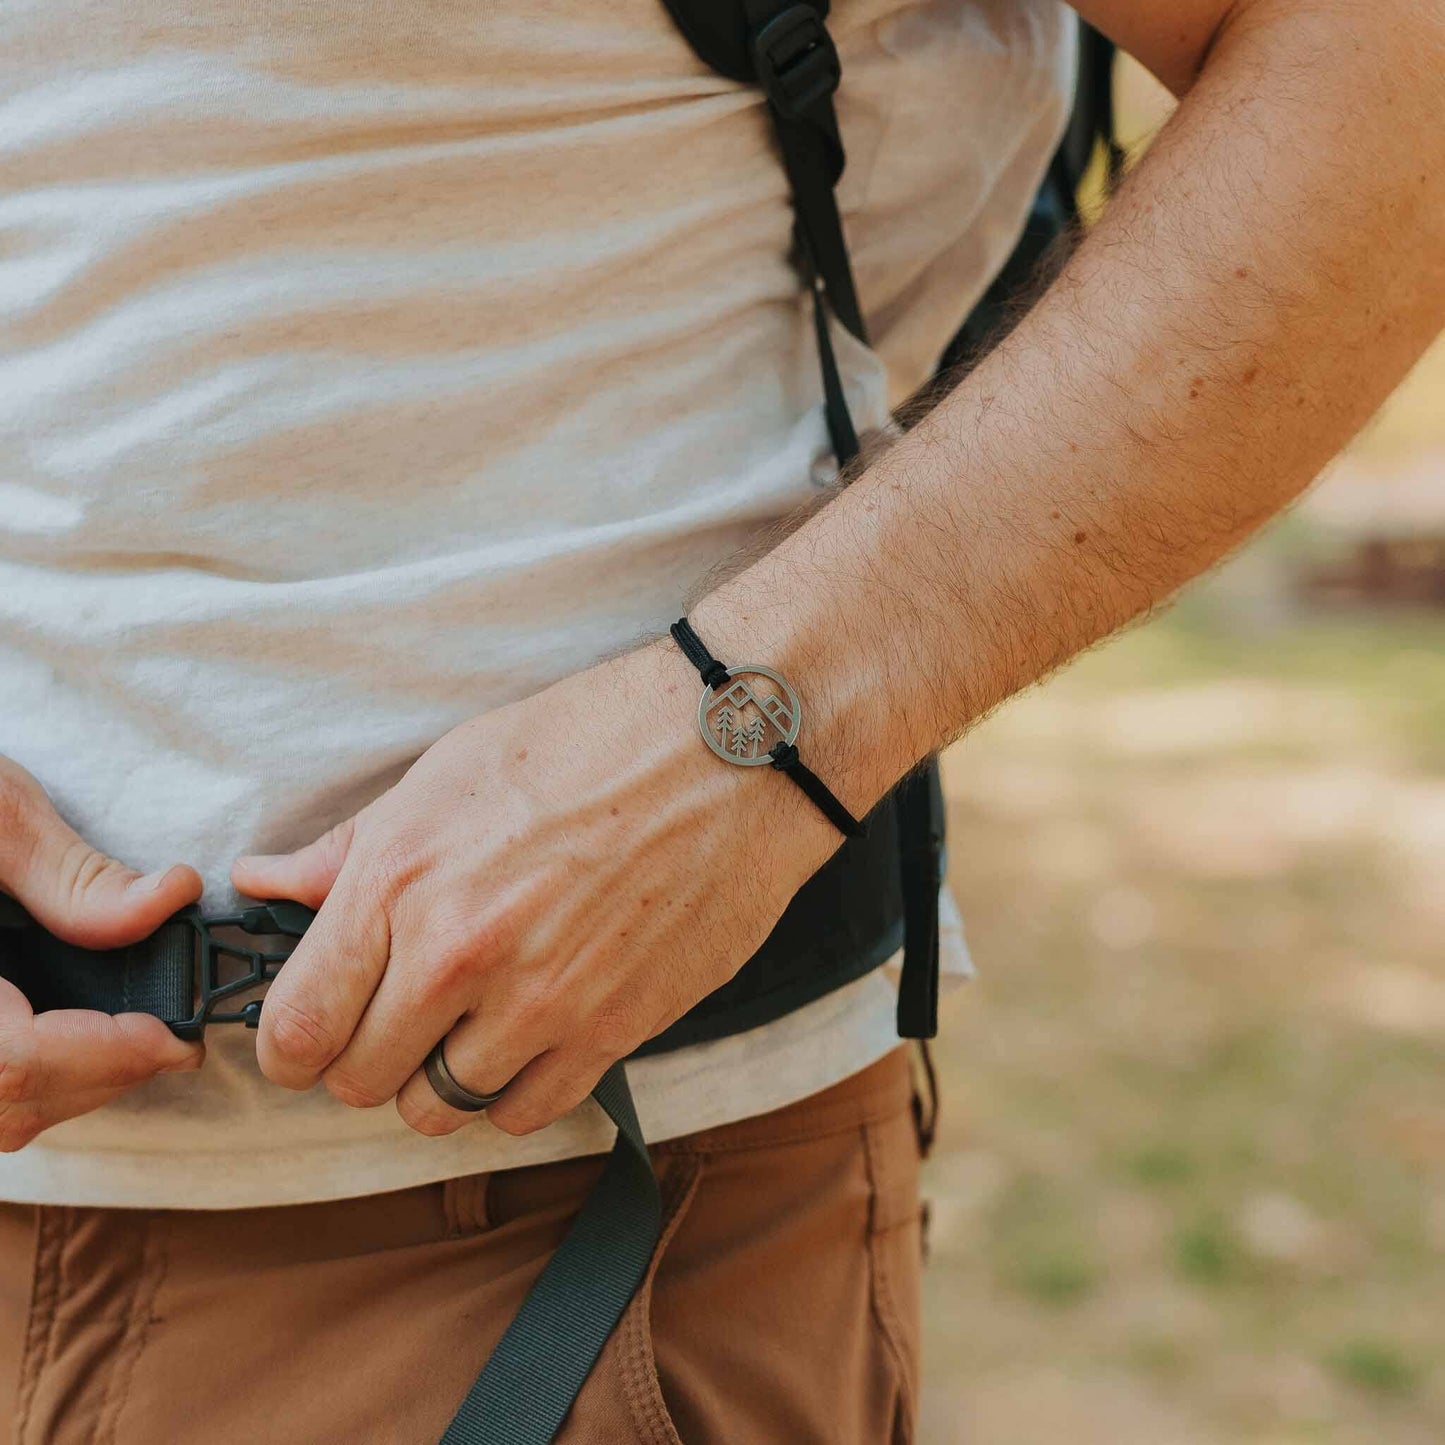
1190, 1187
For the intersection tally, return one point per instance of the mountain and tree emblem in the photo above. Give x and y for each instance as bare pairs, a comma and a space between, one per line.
744, 723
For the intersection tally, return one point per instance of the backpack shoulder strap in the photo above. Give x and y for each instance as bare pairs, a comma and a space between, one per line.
784, 47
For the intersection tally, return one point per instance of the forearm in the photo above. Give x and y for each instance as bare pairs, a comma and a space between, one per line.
1264, 278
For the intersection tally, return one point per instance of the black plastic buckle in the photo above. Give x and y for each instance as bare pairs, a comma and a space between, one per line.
796, 61
217, 976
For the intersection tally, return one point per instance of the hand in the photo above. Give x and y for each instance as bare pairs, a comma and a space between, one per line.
56, 1065
550, 885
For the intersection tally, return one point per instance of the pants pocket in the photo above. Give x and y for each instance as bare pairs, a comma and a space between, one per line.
622, 1400
895, 1260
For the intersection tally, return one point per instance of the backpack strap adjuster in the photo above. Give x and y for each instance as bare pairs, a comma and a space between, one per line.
797, 62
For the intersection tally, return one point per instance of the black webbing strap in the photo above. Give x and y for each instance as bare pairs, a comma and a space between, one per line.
154, 976
798, 68
841, 431
529, 1383
920, 837
797, 65
524, 1392
784, 47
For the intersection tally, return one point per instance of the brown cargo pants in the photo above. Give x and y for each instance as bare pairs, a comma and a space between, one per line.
781, 1307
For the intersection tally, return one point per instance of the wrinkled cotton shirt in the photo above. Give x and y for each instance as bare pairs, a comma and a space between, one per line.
365, 367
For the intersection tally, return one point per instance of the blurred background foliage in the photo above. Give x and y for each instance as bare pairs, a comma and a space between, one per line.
1190, 1184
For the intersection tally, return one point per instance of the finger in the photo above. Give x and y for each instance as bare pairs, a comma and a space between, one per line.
72, 889
548, 1089
306, 876
421, 1110
69, 1061
479, 1062
312, 1008
436, 976
80, 1049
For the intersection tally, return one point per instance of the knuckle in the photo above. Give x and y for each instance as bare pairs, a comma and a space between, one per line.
133, 1055
369, 891
394, 860
541, 1100
458, 950
335, 844
495, 935
538, 1013
423, 1118
346, 1088
450, 968
16, 1078
80, 867
612, 1033
298, 1036
17, 1074
517, 1117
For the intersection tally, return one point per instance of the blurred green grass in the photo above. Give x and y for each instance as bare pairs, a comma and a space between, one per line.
1191, 1181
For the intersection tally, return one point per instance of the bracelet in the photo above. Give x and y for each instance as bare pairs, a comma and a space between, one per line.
742, 708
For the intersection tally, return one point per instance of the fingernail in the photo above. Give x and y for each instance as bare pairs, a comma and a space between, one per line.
148, 882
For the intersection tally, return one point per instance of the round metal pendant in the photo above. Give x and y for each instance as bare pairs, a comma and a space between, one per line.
748, 717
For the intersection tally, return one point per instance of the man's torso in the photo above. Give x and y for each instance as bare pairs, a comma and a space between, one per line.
363, 368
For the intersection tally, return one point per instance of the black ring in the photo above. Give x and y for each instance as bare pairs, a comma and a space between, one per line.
448, 1090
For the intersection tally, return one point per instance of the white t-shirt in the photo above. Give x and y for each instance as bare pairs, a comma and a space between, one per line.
364, 367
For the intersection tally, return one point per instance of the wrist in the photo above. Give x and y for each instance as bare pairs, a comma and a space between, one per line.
847, 732
756, 801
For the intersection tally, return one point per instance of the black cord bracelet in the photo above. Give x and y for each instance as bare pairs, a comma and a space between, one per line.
741, 708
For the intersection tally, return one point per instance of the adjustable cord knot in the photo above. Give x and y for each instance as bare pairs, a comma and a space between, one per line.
741, 717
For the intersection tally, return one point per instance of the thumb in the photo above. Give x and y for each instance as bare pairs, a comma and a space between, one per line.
74, 890
306, 875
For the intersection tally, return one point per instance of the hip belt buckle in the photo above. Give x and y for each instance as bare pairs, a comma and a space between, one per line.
224, 969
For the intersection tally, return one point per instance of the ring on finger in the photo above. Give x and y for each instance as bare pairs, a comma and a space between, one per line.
446, 1087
